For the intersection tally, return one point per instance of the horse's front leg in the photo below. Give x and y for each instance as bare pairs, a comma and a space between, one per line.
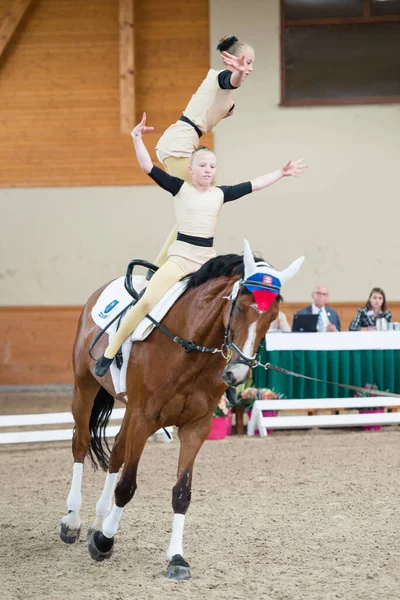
101, 543
191, 438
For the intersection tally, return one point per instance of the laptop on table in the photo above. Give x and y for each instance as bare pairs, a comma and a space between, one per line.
305, 323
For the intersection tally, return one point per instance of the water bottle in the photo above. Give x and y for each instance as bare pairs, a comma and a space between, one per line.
381, 324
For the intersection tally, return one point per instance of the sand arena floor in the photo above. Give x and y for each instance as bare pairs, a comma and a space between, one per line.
304, 515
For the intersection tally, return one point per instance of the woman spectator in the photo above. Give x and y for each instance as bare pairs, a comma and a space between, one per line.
375, 308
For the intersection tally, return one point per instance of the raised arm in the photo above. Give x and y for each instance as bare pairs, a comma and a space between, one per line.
292, 168
142, 154
238, 65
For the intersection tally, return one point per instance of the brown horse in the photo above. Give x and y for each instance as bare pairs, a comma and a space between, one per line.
168, 386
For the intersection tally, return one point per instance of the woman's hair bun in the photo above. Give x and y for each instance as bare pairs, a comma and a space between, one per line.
226, 42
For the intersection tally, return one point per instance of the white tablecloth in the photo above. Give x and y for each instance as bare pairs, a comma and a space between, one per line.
343, 340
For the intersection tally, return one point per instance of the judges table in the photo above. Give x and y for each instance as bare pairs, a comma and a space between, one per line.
354, 358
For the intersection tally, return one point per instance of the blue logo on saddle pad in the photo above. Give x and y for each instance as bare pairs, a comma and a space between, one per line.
104, 313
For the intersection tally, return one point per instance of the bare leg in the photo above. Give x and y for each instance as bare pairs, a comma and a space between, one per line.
191, 437
84, 394
101, 543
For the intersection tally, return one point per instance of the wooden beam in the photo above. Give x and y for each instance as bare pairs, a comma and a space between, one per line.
11, 20
126, 66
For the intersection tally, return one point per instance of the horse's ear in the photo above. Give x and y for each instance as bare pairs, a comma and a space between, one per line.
288, 273
249, 263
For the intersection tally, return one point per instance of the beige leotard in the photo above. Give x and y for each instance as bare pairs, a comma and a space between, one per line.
206, 108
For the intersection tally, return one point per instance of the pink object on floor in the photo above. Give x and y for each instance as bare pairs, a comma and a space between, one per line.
218, 429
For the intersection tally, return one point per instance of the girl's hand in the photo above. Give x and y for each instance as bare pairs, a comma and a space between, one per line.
293, 168
236, 62
141, 128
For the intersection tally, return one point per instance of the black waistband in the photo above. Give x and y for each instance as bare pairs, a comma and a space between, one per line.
195, 241
186, 120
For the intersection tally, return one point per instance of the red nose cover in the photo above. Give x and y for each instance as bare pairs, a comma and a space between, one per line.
264, 298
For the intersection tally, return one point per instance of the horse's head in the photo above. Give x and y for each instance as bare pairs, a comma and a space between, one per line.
254, 304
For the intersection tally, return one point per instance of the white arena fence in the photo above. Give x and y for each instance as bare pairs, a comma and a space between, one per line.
282, 421
54, 435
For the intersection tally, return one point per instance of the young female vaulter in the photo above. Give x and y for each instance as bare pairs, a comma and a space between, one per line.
197, 206
212, 102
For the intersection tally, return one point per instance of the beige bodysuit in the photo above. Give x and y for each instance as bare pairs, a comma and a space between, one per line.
174, 149
206, 108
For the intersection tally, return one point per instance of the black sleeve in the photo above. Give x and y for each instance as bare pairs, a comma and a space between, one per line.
233, 192
166, 181
224, 80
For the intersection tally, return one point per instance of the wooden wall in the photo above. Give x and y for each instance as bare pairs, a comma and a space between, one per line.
59, 88
36, 342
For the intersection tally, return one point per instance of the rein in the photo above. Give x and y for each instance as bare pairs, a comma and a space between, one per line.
355, 388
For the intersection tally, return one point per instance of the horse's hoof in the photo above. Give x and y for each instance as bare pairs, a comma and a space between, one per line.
178, 569
100, 547
69, 536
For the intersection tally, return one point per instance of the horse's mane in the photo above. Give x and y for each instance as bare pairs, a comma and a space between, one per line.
226, 264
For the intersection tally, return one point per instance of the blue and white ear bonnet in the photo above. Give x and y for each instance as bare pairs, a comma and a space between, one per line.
262, 280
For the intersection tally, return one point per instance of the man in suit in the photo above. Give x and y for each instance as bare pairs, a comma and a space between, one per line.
328, 319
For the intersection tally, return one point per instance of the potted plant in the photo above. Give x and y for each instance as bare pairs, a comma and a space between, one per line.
369, 393
221, 423
249, 395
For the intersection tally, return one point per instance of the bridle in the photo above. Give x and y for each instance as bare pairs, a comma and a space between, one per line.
230, 346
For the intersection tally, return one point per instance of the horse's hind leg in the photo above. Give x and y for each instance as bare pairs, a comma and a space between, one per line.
85, 391
137, 432
104, 503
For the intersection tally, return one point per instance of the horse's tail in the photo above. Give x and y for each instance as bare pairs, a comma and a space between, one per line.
101, 413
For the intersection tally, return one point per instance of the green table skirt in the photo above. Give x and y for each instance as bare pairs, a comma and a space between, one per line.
353, 367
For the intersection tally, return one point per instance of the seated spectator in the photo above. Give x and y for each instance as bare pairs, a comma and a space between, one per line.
375, 307
328, 319
280, 324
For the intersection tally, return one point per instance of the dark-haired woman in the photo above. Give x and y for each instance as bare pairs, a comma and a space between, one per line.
212, 102
197, 205
375, 308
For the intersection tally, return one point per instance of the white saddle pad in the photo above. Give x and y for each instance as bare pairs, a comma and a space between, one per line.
112, 301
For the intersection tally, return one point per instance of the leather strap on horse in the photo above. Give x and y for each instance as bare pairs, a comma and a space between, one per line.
354, 388
187, 346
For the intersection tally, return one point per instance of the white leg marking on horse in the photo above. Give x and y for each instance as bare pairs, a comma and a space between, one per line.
176, 543
110, 525
72, 520
104, 503
241, 371
74, 500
